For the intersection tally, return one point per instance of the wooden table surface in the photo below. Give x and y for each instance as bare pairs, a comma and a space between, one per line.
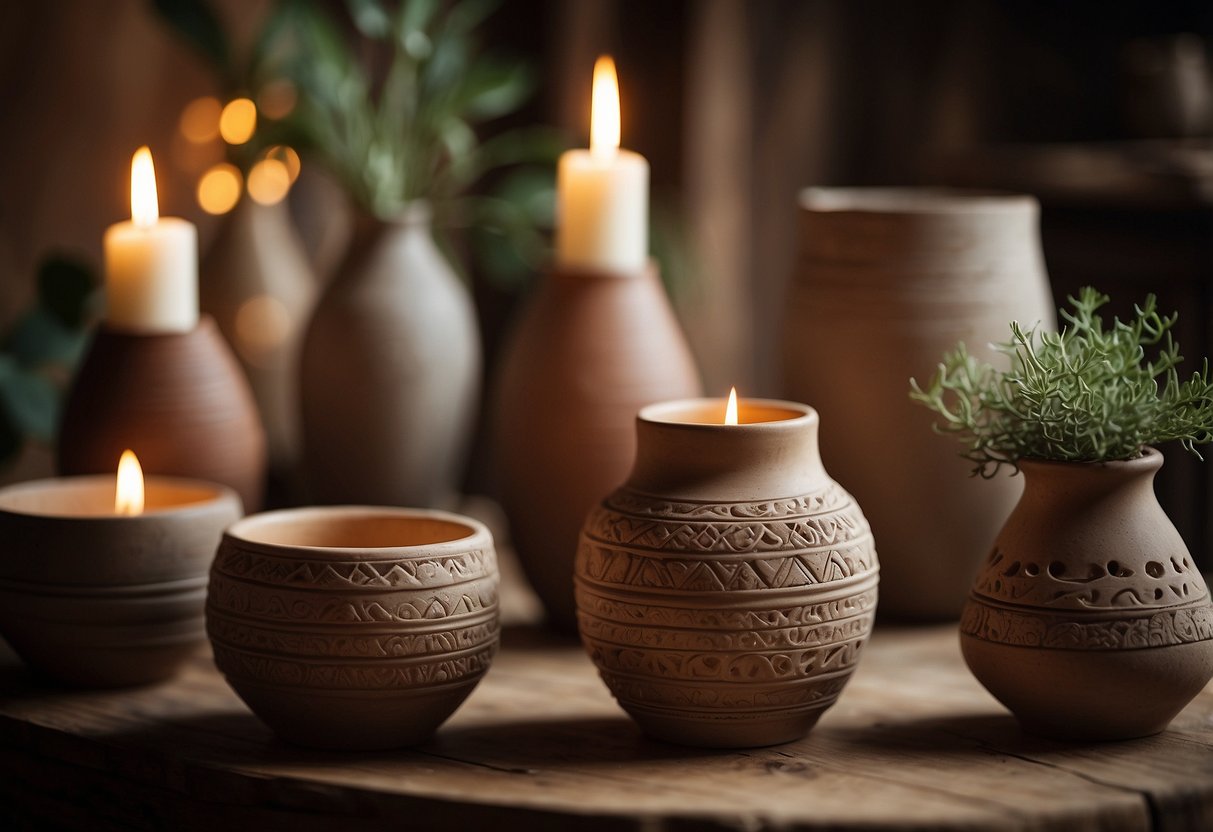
913, 742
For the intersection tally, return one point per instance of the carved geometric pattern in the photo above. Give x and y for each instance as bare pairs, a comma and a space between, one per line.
625, 635
735, 536
371, 676
727, 619
830, 499
422, 573
1067, 631
1159, 583
698, 609
608, 565
723, 666
263, 602
238, 633
705, 698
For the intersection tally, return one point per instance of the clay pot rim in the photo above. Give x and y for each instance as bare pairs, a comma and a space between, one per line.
222, 497
205, 322
911, 201
557, 271
478, 535
660, 414
1150, 459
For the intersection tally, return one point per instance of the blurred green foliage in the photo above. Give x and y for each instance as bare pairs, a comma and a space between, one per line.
40, 351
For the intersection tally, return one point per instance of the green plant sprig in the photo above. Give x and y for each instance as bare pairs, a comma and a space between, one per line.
1085, 394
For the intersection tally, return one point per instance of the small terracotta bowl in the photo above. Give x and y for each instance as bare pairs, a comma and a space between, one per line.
100, 600
354, 627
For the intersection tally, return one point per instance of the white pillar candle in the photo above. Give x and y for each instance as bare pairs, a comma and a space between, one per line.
151, 264
602, 194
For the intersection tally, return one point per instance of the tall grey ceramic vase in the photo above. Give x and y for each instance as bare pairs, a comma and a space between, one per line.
257, 284
887, 281
390, 371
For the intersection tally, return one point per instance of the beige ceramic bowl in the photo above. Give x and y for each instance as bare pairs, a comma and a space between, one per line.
354, 627
99, 600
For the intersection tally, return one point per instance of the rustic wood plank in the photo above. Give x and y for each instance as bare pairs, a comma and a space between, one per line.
913, 743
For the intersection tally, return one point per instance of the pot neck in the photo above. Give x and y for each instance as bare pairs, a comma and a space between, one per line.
684, 452
416, 216
1051, 480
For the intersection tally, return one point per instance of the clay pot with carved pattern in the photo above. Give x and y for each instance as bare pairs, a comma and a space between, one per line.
354, 627
1089, 620
726, 590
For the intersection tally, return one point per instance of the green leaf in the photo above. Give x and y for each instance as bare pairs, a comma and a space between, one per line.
370, 18
65, 286
415, 17
494, 88
469, 14
29, 399
197, 23
39, 339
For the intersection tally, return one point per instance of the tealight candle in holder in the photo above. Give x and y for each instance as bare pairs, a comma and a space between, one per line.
726, 589
103, 584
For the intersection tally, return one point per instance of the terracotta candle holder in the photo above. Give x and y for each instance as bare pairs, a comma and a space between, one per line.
726, 589
591, 350
179, 400
351, 627
96, 599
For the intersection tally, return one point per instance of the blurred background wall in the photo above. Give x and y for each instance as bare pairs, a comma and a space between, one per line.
1101, 109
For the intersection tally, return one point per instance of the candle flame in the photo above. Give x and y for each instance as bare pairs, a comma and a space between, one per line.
730, 410
145, 207
128, 498
604, 109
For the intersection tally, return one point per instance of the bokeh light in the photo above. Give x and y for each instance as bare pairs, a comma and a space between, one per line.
200, 120
287, 156
238, 121
263, 324
219, 189
277, 99
269, 181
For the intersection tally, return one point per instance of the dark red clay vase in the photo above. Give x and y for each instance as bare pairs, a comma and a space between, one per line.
590, 351
178, 400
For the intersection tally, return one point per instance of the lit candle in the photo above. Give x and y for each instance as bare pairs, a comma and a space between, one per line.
103, 578
151, 263
602, 194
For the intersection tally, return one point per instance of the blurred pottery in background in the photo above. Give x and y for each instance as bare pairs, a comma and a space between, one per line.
726, 590
1088, 619
179, 400
258, 286
352, 627
390, 372
93, 598
591, 349
887, 281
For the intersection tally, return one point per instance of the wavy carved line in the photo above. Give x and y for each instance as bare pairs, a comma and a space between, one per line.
405, 574
396, 645
245, 599
652, 694
1152, 628
729, 619
625, 568
657, 638
752, 668
737, 537
275, 671
830, 499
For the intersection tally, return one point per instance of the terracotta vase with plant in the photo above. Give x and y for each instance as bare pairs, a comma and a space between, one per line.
1088, 619
391, 361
